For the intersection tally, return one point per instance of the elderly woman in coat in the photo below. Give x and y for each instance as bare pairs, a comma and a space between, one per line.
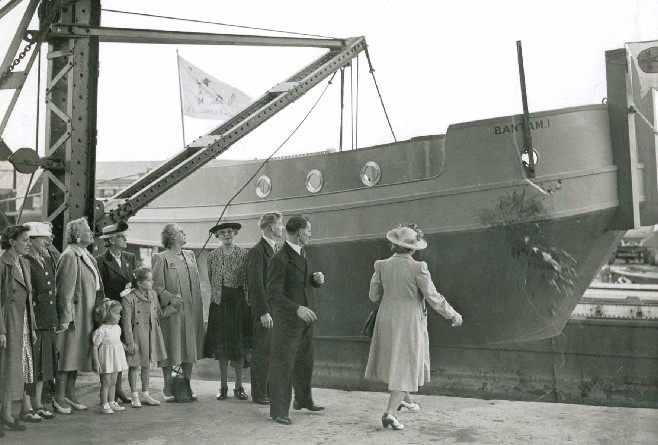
16, 331
79, 291
176, 280
399, 352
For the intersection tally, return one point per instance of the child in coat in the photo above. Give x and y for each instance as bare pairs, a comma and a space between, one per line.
108, 356
141, 324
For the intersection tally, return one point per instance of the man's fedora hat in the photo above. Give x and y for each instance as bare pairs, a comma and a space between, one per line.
407, 238
226, 225
113, 230
38, 229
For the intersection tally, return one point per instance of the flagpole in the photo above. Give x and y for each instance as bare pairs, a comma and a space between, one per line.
180, 96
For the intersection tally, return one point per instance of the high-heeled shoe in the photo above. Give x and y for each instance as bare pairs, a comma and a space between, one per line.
74, 405
60, 409
387, 420
413, 406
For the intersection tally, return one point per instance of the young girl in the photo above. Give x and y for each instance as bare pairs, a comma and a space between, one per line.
141, 324
107, 352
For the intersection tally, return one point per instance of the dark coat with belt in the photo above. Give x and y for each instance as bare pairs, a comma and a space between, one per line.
114, 277
258, 260
15, 299
44, 296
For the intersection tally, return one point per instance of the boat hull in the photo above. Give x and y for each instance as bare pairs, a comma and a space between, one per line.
512, 255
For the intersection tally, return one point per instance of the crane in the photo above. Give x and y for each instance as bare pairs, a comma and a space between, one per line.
73, 33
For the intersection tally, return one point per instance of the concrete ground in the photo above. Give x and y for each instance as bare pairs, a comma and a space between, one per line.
350, 417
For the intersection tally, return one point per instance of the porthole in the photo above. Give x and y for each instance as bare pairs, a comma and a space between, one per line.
648, 60
371, 173
263, 186
525, 158
314, 181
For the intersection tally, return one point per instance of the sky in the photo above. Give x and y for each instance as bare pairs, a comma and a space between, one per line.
436, 63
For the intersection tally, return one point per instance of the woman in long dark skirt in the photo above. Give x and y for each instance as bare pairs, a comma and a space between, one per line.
225, 338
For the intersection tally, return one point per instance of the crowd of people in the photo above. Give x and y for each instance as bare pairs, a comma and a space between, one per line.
62, 314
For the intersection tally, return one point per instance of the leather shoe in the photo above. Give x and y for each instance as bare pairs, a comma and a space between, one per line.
239, 393
122, 397
14, 426
263, 401
282, 420
308, 405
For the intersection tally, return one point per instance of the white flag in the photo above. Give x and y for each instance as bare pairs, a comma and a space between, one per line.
205, 97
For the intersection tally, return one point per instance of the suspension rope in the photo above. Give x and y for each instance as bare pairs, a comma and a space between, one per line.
372, 71
213, 23
262, 165
27, 191
352, 106
356, 117
342, 106
36, 135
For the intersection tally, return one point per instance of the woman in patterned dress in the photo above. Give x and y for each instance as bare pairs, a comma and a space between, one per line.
226, 339
16, 333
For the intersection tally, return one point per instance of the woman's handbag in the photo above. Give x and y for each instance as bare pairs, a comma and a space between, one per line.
369, 325
180, 387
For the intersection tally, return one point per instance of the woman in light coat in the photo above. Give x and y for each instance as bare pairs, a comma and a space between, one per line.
16, 330
176, 280
79, 291
399, 352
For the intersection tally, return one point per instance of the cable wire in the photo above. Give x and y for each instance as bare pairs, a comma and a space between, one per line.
372, 71
213, 23
266, 161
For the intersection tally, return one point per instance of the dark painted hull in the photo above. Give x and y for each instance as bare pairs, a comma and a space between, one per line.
500, 297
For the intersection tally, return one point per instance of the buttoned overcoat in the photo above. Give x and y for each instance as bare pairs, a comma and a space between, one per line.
140, 317
399, 352
15, 299
77, 297
183, 331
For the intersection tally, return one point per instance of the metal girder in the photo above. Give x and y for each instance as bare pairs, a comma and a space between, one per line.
15, 81
8, 7
134, 35
71, 97
208, 147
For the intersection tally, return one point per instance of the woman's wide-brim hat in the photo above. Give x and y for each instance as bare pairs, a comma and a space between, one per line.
226, 225
407, 238
38, 229
113, 230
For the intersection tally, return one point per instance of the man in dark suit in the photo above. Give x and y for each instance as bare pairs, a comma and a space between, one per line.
290, 284
116, 269
258, 259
